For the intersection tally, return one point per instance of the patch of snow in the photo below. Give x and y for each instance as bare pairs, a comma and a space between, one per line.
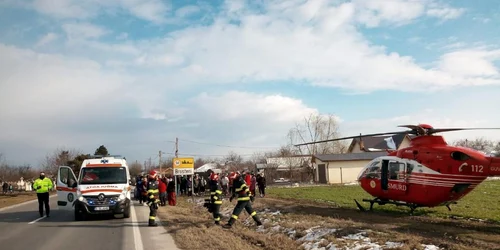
315, 245
351, 184
430, 247
390, 244
358, 236
315, 233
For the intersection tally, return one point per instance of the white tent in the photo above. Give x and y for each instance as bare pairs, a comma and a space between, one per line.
206, 167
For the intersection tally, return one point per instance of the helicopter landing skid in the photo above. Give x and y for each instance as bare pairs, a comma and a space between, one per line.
383, 202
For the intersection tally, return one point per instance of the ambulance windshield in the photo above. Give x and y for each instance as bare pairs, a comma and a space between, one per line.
104, 175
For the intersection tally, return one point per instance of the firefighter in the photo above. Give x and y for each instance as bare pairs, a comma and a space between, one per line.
241, 190
215, 197
153, 197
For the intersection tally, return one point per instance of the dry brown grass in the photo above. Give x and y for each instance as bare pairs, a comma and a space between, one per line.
192, 227
15, 198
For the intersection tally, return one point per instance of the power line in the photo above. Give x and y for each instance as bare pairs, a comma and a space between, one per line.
227, 146
207, 154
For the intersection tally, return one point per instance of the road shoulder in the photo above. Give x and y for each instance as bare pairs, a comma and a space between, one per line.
152, 237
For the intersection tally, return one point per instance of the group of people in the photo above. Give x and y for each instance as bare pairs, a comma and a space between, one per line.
154, 191
241, 189
166, 189
241, 185
252, 180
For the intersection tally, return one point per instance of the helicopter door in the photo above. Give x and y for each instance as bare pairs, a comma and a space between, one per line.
384, 175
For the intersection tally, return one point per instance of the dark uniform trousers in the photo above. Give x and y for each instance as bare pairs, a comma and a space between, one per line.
216, 199
244, 197
153, 199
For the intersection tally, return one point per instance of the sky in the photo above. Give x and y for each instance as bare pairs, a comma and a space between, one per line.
135, 74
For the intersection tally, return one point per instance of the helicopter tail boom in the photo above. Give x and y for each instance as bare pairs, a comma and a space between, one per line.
494, 169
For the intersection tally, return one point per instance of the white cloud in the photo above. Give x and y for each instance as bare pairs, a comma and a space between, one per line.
46, 39
77, 31
67, 9
372, 13
123, 35
446, 13
150, 10
315, 43
471, 63
280, 44
43, 85
187, 10
234, 105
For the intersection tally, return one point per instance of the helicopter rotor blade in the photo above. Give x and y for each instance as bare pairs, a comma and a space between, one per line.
353, 137
440, 130
414, 130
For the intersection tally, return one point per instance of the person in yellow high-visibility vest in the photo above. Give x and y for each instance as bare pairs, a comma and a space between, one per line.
42, 186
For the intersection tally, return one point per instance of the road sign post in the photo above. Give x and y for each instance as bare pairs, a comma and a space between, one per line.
183, 166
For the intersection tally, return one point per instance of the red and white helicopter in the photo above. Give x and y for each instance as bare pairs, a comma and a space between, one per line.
428, 173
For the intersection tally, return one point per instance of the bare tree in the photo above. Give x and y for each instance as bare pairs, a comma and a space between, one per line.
135, 169
317, 127
258, 157
480, 144
60, 157
199, 162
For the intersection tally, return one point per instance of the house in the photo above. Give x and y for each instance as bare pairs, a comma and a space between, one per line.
379, 143
345, 168
342, 168
297, 167
295, 162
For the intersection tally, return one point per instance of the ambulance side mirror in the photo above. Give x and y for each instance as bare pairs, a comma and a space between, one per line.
74, 185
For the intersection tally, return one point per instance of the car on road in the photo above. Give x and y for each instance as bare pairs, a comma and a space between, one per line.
102, 187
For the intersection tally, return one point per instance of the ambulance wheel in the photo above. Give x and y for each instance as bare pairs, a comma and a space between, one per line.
126, 213
79, 216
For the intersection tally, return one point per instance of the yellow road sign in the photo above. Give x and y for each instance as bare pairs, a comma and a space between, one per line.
183, 163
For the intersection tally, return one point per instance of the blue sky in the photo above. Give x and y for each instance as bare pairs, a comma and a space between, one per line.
133, 75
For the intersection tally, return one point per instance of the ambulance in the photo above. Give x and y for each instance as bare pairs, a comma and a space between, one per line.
103, 186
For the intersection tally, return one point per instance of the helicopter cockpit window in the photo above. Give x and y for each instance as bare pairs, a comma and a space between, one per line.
395, 168
409, 168
373, 170
459, 156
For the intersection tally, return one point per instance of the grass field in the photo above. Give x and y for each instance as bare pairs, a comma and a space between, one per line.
482, 203
315, 217
16, 198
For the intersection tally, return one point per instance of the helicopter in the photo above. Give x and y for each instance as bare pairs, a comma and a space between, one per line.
427, 173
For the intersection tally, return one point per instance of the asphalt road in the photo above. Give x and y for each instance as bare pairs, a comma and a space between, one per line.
22, 228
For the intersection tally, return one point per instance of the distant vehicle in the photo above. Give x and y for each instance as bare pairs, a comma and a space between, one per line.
103, 187
281, 180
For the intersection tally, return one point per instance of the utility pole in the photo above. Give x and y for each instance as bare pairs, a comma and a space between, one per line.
159, 155
176, 147
173, 171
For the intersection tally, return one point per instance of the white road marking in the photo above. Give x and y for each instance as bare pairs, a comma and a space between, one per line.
38, 219
137, 232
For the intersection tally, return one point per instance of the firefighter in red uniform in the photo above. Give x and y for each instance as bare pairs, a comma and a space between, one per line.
241, 190
153, 197
215, 197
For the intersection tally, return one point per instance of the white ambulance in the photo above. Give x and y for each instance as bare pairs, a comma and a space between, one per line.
102, 187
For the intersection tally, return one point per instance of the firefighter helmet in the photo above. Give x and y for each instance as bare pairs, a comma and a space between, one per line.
214, 176
153, 173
